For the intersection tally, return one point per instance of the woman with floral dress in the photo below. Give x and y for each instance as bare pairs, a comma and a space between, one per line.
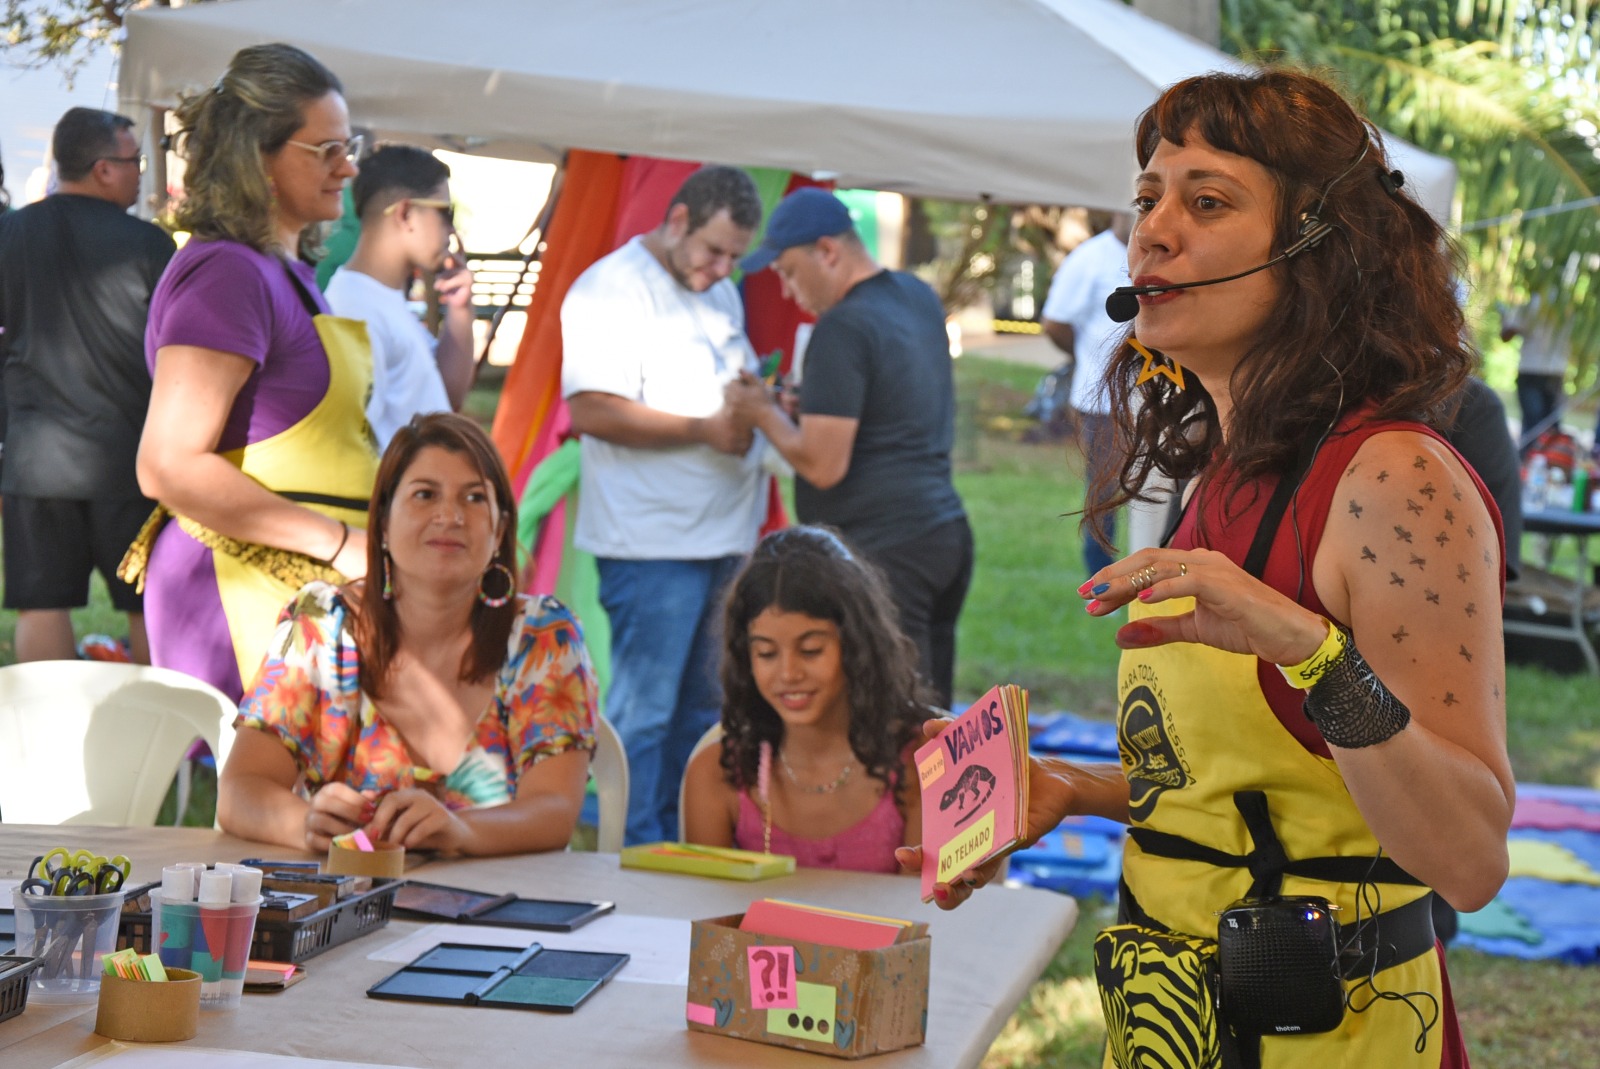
430, 704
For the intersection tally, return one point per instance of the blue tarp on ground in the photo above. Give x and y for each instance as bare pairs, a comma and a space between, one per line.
1549, 908
1555, 886
1083, 856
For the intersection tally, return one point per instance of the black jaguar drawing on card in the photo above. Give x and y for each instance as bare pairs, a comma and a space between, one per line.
970, 792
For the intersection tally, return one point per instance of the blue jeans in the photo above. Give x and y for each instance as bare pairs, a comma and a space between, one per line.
665, 641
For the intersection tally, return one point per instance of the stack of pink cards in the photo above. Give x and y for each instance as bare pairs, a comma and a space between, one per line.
974, 780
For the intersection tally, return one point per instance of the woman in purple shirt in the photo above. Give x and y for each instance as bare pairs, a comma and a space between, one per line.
256, 444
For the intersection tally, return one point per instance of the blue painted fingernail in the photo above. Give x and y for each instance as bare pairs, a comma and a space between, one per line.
1100, 589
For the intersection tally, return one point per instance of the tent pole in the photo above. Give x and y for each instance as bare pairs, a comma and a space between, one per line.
154, 180
541, 226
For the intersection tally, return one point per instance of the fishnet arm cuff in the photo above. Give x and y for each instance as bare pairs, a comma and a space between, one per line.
1351, 707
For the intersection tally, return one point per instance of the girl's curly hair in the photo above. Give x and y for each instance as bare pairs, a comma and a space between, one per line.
810, 571
1369, 317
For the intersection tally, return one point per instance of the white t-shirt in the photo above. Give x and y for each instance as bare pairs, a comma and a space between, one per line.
628, 328
1546, 337
405, 372
1078, 298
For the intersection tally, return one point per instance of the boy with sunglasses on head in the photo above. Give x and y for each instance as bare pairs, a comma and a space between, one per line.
402, 197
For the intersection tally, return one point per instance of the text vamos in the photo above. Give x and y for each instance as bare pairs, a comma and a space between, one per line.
963, 737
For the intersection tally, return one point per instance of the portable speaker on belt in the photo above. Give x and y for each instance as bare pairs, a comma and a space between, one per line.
1279, 965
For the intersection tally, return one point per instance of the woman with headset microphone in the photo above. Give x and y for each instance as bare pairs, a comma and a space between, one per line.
1312, 714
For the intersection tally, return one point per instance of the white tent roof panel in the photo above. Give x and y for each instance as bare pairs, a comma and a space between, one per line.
1024, 101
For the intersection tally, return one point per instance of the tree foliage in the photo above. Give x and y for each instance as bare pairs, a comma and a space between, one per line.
63, 33
1507, 89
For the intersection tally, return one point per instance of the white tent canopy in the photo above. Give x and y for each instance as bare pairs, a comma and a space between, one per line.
1021, 101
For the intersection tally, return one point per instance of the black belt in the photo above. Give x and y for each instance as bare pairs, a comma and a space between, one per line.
306, 497
1384, 940
1375, 943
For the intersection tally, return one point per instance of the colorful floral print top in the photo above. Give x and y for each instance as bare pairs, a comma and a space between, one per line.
307, 695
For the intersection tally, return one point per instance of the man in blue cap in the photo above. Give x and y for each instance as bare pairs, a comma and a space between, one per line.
871, 447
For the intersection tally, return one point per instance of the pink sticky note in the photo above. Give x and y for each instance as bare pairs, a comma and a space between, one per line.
772, 978
699, 1013
361, 840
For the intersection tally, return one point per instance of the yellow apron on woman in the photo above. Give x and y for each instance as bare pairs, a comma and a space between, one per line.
326, 462
1202, 749
1193, 729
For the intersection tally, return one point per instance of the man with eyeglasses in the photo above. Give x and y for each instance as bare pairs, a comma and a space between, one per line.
76, 275
402, 197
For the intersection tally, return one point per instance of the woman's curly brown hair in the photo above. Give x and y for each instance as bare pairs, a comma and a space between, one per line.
810, 571
1368, 317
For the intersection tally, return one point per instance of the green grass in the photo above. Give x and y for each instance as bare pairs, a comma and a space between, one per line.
1024, 622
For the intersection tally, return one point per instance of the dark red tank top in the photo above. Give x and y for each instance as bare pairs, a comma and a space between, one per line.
1219, 519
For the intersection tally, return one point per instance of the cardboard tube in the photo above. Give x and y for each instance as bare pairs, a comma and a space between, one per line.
142, 1011
177, 884
175, 932
383, 860
246, 884
216, 888
241, 929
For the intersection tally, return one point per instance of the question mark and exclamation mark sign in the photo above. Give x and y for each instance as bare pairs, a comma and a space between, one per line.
771, 969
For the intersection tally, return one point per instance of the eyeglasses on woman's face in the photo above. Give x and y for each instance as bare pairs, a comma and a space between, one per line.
331, 152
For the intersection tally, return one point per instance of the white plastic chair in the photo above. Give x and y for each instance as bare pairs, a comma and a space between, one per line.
713, 734
95, 742
610, 771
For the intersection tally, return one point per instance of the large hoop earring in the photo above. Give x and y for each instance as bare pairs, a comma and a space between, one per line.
494, 601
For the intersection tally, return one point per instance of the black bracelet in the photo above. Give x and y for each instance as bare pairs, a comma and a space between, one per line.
1351, 707
344, 537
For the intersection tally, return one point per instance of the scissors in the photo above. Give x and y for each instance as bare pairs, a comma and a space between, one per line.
61, 872
79, 873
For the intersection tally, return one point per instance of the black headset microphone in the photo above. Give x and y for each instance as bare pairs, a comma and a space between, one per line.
1123, 303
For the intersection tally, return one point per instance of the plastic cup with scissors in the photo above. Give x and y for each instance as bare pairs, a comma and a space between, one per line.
66, 915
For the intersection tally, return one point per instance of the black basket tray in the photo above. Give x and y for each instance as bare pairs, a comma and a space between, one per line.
14, 972
297, 940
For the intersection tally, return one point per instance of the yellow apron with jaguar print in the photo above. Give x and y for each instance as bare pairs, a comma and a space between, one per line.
1193, 728
326, 462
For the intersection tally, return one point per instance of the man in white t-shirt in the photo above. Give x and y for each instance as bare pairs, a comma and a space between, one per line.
1074, 317
669, 499
402, 197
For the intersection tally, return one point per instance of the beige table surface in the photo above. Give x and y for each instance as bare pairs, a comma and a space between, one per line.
985, 955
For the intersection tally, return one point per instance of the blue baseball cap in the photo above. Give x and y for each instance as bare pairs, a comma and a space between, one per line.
801, 218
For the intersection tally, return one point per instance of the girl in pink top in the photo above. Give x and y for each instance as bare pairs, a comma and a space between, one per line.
822, 704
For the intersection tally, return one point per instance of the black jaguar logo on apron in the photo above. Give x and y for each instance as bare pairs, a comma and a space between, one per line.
1150, 753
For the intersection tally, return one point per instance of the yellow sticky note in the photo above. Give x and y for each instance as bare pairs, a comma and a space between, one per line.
967, 848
